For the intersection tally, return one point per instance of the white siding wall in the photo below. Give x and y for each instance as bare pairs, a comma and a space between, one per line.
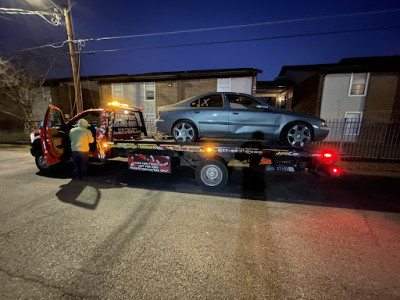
237, 84
134, 94
335, 97
242, 85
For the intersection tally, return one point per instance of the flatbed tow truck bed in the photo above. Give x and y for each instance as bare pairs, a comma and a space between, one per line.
210, 158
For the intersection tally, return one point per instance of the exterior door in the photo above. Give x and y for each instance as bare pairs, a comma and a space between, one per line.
248, 121
211, 115
52, 135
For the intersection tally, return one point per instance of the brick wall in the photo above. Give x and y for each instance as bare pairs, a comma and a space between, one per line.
90, 94
63, 96
396, 104
166, 93
195, 87
305, 95
383, 97
105, 94
182, 89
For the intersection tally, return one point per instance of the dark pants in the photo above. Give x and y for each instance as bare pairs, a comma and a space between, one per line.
80, 163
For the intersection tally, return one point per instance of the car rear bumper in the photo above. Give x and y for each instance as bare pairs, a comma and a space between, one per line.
320, 132
162, 126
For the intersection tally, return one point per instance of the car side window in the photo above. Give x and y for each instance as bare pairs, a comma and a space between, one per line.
208, 101
242, 102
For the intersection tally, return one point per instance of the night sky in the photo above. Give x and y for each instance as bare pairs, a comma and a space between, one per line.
267, 47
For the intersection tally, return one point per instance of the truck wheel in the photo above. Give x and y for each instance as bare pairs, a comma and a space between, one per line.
212, 174
41, 163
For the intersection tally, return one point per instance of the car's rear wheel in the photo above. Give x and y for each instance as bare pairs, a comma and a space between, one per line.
184, 131
296, 135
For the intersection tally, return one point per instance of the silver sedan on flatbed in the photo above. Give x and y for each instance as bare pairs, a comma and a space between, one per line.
237, 116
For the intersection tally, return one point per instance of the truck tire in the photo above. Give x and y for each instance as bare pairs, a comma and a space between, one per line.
41, 163
212, 174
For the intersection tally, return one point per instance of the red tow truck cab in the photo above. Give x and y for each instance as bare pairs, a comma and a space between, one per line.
51, 144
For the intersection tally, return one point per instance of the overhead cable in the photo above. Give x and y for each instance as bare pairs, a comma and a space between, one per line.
82, 41
244, 25
55, 15
243, 40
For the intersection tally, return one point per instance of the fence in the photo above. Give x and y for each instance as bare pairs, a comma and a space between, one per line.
364, 140
354, 139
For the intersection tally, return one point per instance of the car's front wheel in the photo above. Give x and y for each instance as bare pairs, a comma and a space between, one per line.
184, 131
41, 163
296, 135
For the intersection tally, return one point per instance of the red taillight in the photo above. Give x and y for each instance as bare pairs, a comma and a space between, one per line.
327, 156
140, 108
337, 171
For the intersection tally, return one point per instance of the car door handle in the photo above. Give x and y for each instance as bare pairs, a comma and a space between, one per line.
235, 113
196, 112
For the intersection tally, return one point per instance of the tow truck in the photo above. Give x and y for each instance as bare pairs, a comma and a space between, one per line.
121, 132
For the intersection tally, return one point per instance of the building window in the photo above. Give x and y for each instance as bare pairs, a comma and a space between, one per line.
358, 84
352, 124
224, 85
117, 91
149, 89
46, 93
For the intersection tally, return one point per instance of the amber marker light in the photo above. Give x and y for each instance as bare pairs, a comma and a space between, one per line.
209, 149
117, 103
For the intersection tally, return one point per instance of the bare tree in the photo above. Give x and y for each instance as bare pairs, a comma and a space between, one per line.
17, 93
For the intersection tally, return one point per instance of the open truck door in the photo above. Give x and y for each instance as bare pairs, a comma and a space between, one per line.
53, 135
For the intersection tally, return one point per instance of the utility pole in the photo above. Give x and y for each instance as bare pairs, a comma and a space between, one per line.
74, 60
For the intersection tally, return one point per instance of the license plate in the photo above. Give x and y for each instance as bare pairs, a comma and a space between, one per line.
285, 168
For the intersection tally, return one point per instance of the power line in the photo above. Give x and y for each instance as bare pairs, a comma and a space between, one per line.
55, 16
53, 45
244, 25
243, 40
82, 41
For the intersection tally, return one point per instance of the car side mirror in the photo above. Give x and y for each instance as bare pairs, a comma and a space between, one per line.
262, 106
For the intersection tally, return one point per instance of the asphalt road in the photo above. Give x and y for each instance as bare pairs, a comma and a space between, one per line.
127, 235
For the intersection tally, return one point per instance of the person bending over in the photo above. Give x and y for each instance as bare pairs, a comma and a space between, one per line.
80, 138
